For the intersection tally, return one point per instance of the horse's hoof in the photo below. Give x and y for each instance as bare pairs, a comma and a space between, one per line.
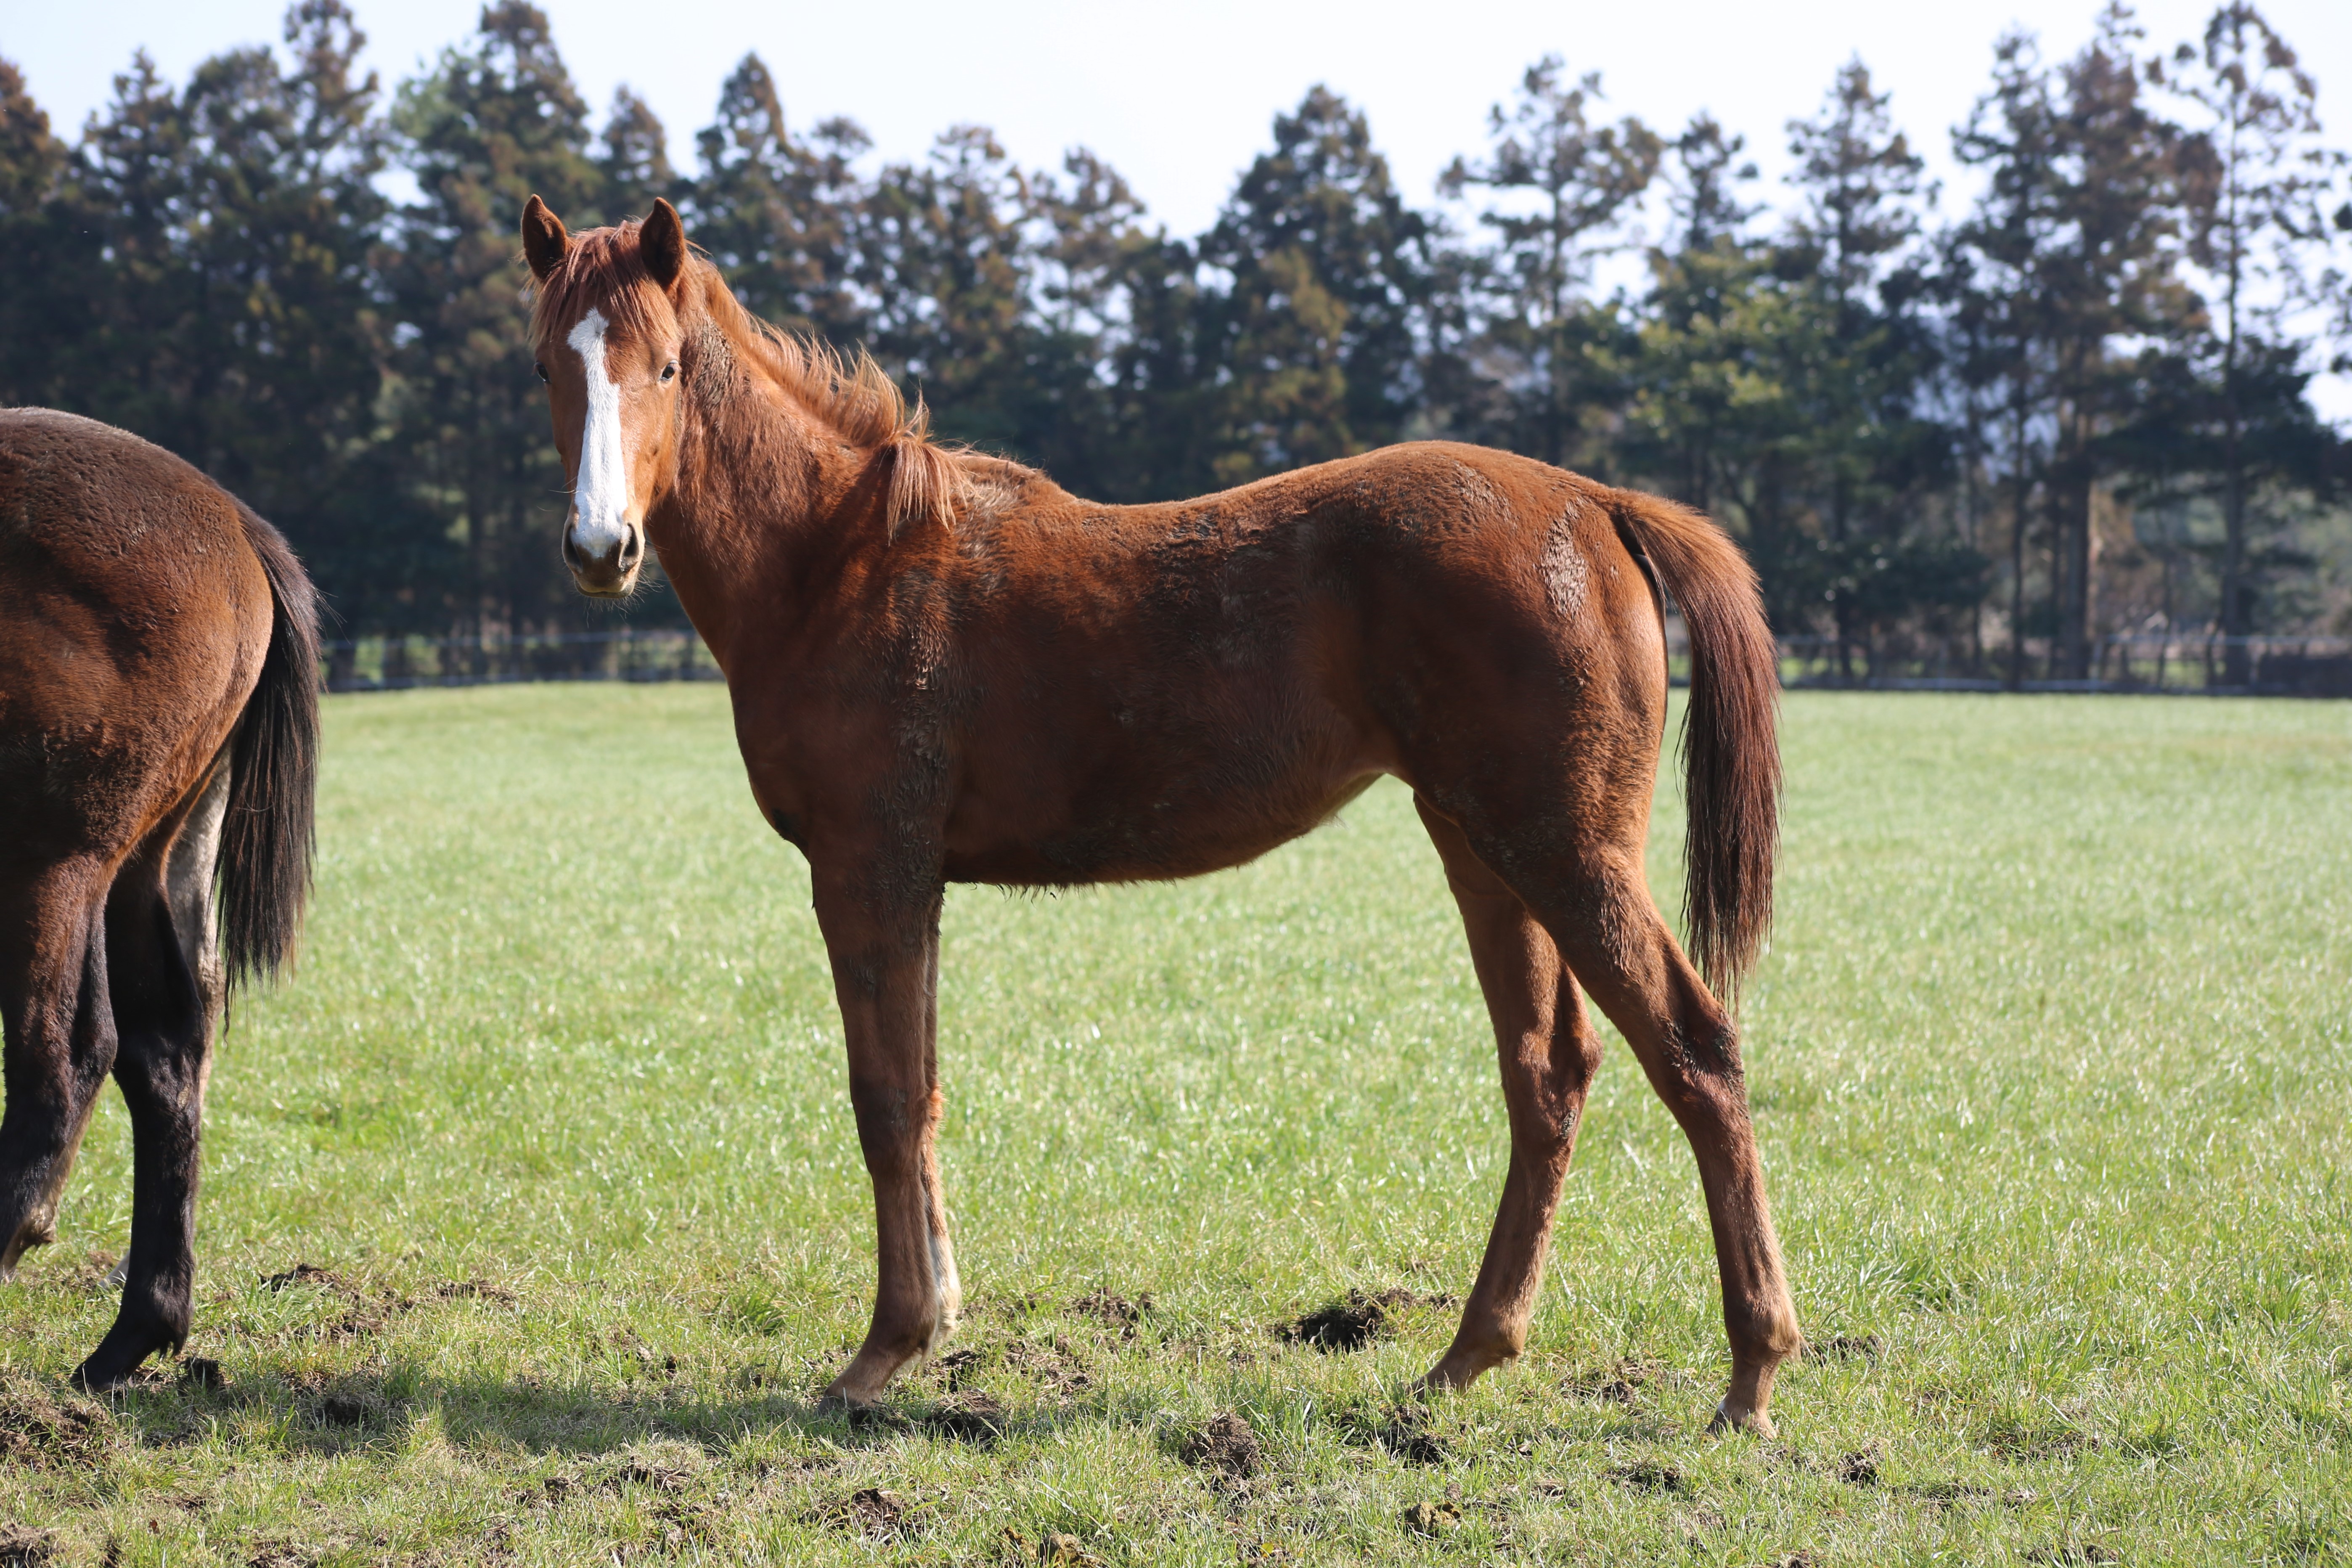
92, 1378
1754, 1424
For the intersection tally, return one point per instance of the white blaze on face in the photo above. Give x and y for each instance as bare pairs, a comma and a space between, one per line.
600, 498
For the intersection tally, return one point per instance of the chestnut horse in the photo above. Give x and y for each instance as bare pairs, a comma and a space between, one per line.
946, 668
159, 719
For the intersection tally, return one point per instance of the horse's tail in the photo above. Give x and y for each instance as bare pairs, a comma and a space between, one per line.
1731, 757
268, 838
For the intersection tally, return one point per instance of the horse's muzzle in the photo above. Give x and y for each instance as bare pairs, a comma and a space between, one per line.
609, 572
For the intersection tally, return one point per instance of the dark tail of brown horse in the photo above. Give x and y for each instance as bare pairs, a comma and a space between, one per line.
1731, 756
266, 840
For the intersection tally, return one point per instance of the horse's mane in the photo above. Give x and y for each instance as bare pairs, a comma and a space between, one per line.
850, 393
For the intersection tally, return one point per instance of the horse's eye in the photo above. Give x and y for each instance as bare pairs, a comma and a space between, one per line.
540, 368
669, 370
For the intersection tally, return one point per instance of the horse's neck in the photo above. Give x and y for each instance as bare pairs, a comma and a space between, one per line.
759, 490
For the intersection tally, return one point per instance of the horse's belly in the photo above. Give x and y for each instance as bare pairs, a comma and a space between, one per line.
1152, 835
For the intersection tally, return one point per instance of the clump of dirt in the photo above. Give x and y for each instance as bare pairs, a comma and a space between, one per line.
959, 1367
1060, 1549
1648, 1476
1113, 1311
1406, 1436
1846, 1347
476, 1290
1860, 1470
350, 1407
363, 1314
307, 1274
1432, 1517
202, 1372
1228, 1446
1618, 1385
666, 1466
1357, 1319
871, 1513
1051, 1366
22, 1548
972, 1417
38, 1428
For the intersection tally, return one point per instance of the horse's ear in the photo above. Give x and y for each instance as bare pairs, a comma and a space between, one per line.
661, 241
544, 239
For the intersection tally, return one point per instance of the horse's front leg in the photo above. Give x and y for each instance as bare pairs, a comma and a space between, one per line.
885, 952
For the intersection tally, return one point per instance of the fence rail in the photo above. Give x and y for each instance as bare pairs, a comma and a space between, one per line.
2189, 663
399, 663
2186, 664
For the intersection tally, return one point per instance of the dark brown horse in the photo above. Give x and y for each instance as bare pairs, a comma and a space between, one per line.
159, 720
946, 668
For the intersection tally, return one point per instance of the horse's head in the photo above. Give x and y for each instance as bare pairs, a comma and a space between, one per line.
606, 338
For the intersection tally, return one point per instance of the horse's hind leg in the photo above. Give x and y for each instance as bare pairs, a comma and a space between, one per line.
1617, 945
1548, 1053
167, 988
59, 1040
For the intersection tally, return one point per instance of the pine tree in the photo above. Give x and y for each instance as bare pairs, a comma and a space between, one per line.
1587, 180
778, 214
1331, 273
2110, 276
487, 127
2256, 182
1994, 280
53, 259
1874, 452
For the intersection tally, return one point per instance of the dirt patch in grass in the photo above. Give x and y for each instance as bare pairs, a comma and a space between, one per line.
1431, 1517
1401, 1433
363, 1314
22, 1548
959, 1367
1113, 1311
1052, 1366
1859, 1469
352, 1407
1227, 1448
476, 1290
1619, 1384
1356, 1320
1648, 1476
972, 1417
1057, 1549
39, 1428
1866, 1347
870, 1512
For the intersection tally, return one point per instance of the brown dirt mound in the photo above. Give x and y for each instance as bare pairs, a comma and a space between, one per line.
1357, 1321
975, 1418
38, 1427
22, 1548
1113, 1311
1227, 1444
870, 1512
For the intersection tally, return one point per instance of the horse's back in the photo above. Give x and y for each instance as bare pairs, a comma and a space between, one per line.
138, 618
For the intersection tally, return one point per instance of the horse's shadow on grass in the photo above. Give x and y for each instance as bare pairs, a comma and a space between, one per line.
379, 1408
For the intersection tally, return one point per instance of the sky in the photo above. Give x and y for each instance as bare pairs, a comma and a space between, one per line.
1178, 98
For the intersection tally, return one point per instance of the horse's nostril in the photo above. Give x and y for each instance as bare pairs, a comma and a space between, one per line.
632, 549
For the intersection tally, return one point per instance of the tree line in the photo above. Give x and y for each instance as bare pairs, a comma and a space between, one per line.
2079, 406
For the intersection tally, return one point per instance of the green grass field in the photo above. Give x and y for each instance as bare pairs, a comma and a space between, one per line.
2049, 1059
